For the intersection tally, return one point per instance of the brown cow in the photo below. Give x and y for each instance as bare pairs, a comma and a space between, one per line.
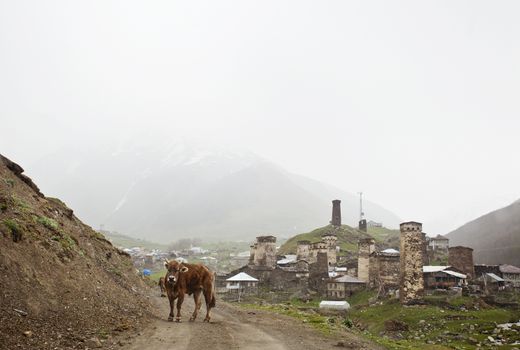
182, 278
162, 285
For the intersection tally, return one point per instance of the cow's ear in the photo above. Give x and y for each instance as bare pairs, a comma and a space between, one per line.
184, 269
166, 265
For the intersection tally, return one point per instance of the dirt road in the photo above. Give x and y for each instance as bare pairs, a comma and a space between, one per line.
234, 328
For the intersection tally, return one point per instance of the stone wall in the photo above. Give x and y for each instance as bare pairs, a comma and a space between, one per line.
461, 258
384, 270
411, 262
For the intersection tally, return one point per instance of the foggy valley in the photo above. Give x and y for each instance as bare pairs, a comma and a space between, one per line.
259, 175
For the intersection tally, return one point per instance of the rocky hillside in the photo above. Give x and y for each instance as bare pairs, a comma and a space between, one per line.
495, 237
63, 285
348, 238
178, 190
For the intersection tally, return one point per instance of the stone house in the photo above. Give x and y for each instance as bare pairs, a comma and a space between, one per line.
384, 269
511, 275
490, 282
482, 269
343, 287
309, 251
437, 249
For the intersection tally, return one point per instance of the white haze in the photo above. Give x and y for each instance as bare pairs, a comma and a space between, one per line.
415, 103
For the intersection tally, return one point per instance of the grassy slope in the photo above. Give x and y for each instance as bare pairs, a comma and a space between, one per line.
461, 315
124, 241
442, 324
348, 238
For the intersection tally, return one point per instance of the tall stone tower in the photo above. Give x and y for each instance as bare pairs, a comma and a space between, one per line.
336, 213
330, 240
365, 247
265, 253
411, 262
303, 250
461, 258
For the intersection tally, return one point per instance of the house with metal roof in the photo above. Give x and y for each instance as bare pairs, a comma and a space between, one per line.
242, 283
442, 277
511, 275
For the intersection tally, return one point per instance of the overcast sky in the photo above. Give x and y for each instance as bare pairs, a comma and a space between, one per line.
415, 103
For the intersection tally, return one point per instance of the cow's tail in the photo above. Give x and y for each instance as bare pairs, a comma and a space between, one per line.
213, 301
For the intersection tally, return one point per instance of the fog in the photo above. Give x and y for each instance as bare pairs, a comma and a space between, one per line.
413, 103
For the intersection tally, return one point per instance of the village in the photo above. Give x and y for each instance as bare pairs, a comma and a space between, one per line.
422, 266
419, 270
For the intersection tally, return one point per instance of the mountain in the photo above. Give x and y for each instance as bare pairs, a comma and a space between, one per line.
178, 189
495, 237
62, 282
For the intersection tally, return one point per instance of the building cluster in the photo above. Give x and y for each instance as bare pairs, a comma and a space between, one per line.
153, 259
146, 258
422, 264
309, 268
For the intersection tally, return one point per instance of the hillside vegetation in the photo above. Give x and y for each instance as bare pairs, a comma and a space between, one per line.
348, 238
63, 285
495, 237
124, 241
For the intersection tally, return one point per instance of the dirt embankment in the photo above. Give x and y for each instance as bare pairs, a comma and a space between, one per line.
62, 285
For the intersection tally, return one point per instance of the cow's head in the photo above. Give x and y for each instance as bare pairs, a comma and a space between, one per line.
174, 269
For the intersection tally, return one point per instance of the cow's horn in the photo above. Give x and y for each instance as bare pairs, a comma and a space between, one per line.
166, 261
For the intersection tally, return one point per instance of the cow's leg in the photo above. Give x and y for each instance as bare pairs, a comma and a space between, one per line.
210, 302
197, 296
180, 299
172, 303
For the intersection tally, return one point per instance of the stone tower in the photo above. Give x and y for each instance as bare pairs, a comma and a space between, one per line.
365, 247
303, 249
411, 280
252, 252
330, 240
336, 213
461, 258
362, 225
265, 253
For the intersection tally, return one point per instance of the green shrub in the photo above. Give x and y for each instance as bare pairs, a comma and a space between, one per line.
47, 222
15, 229
67, 242
347, 322
20, 203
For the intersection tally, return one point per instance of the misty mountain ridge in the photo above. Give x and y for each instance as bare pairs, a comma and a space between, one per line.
495, 237
181, 189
